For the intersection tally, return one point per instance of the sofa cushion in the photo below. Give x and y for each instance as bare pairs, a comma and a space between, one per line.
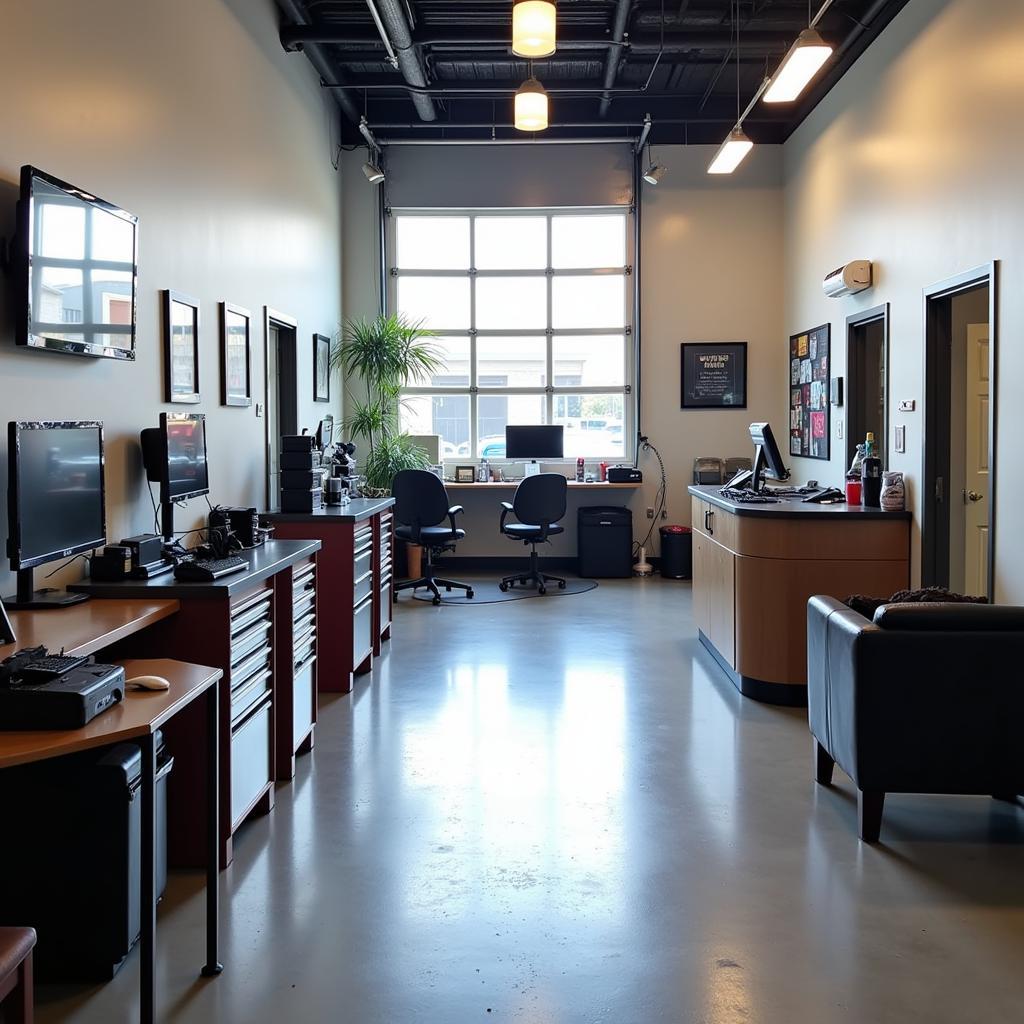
951, 617
867, 606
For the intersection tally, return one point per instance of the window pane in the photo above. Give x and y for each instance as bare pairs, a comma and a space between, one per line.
592, 301
440, 302
598, 241
495, 412
594, 424
432, 243
511, 362
511, 243
511, 303
447, 415
588, 360
454, 352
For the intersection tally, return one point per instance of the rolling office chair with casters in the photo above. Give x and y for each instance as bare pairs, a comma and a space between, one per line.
421, 506
538, 504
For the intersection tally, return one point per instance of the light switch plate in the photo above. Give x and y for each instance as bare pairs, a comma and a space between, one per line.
901, 439
839, 429
908, 405
259, 410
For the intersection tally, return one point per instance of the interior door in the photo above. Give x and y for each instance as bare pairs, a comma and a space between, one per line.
976, 470
273, 419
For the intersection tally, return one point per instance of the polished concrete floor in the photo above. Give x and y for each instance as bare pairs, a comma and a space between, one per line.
559, 812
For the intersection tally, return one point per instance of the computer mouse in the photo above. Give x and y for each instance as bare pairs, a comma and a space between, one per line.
148, 683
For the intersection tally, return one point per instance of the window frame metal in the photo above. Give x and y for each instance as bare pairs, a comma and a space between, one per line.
550, 391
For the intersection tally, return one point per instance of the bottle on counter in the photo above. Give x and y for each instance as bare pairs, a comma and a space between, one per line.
871, 474
580, 470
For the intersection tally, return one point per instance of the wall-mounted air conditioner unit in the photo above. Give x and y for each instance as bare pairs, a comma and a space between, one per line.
848, 280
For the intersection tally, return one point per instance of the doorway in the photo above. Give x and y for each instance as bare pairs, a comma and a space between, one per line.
959, 477
867, 380
280, 333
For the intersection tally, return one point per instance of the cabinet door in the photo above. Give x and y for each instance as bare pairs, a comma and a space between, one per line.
714, 588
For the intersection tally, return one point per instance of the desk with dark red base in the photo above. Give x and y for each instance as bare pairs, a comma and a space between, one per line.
356, 558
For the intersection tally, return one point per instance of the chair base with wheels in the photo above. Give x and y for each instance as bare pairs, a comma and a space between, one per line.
430, 581
532, 575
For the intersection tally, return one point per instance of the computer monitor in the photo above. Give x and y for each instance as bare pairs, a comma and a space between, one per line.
534, 442
174, 455
767, 460
55, 501
325, 433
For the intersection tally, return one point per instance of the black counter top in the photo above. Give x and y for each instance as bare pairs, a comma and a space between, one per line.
264, 561
353, 512
793, 508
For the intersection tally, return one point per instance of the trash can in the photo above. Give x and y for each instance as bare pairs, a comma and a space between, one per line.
605, 541
676, 552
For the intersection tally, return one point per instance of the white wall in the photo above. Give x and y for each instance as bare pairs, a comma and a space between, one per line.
914, 161
191, 116
711, 271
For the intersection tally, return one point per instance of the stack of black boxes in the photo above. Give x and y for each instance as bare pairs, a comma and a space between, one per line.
301, 473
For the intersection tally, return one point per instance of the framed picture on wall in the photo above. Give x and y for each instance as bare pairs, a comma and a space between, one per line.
713, 375
809, 407
321, 368
181, 347
235, 355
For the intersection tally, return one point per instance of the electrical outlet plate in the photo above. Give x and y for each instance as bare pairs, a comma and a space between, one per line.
908, 405
650, 513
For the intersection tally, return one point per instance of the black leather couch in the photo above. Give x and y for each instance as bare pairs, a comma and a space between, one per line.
926, 698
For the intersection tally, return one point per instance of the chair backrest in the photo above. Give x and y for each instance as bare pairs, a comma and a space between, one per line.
420, 498
540, 499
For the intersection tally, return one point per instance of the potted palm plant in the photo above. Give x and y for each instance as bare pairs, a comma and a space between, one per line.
381, 356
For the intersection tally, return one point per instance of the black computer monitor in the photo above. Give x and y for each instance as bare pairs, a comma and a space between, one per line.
534, 442
174, 455
55, 501
325, 433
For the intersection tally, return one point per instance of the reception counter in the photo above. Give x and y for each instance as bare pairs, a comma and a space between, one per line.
755, 566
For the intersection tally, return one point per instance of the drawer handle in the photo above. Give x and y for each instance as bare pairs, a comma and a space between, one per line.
309, 661
242, 722
709, 517
245, 603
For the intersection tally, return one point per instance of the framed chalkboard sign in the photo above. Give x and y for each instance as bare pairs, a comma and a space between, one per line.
809, 426
714, 375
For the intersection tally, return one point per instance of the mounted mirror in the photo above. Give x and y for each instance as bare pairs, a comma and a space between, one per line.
867, 380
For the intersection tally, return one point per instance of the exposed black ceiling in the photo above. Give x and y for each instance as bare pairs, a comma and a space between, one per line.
453, 74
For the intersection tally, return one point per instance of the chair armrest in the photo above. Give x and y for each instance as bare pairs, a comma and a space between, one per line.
452, 513
506, 507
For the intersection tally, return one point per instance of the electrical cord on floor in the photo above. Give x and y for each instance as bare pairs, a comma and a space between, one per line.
659, 500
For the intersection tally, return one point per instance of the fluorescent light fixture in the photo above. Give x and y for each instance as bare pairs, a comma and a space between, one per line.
731, 153
531, 107
533, 28
374, 175
798, 67
654, 173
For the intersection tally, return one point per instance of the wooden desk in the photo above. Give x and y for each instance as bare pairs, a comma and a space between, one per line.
137, 719
509, 485
87, 627
242, 624
756, 566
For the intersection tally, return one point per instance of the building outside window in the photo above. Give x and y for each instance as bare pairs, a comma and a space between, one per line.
531, 308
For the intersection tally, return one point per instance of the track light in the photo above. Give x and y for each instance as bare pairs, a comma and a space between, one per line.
374, 175
533, 28
731, 152
531, 107
654, 173
798, 67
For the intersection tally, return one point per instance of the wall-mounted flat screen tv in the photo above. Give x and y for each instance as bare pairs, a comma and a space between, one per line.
78, 266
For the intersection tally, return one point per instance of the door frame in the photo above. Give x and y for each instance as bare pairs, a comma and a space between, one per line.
283, 322
935, 434
861, 319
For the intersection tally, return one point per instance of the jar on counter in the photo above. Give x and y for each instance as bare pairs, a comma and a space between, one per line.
894, 492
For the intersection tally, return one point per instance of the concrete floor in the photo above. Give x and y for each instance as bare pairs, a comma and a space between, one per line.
557, 811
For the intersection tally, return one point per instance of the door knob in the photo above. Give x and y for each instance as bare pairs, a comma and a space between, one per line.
974, 496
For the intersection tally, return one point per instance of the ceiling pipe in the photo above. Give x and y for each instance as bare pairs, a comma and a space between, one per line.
382, 32
410, 63
611, 60
294, 12
505, 89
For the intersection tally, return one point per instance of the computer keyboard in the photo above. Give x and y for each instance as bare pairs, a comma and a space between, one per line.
50, 667
202, 570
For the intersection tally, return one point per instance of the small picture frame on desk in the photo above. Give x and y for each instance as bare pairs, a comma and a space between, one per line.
465, 474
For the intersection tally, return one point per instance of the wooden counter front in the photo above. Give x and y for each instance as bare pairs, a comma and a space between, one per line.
756, 566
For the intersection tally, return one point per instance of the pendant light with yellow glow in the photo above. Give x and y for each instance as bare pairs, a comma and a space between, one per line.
533, 28
531, 107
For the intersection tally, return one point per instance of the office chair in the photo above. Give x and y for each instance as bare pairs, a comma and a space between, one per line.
538, 504
421, 504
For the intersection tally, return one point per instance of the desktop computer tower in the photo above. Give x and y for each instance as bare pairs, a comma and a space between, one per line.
70, 863
605, 541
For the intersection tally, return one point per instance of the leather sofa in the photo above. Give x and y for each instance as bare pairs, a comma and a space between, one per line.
924, 698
